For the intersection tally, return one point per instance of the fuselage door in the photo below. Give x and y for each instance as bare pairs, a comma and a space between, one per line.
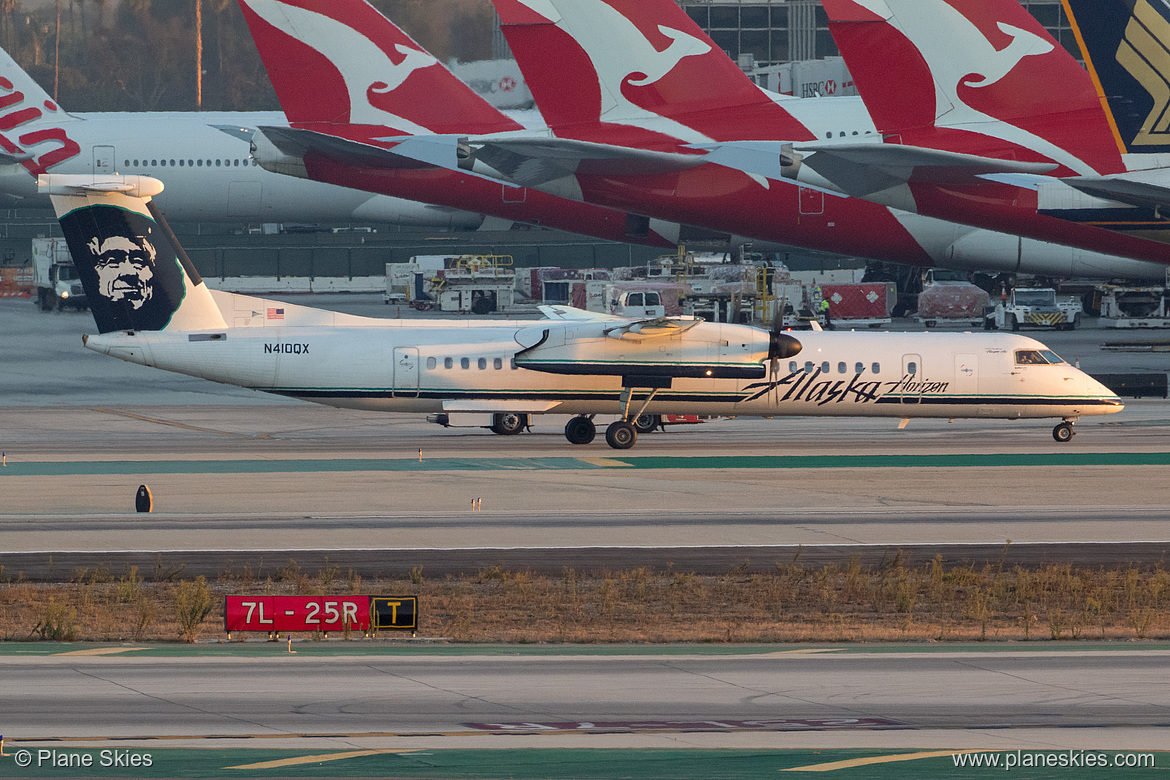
103, 160
812, 201
912, 375
405, 372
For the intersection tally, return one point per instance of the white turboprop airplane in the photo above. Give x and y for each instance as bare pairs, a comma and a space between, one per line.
205, 158
152, 308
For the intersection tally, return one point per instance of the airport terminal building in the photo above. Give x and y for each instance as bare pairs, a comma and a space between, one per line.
786, 30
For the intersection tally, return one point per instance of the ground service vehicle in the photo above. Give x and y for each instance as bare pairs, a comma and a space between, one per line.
1036, 307
55, 276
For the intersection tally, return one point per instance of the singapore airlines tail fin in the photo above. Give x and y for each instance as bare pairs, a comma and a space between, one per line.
975, 77
34, 135
633, 62
135, 274
341, 62
1126, 46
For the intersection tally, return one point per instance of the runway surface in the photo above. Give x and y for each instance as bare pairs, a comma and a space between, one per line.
992, 696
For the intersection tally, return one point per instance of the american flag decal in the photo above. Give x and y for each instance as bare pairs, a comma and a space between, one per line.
275, 314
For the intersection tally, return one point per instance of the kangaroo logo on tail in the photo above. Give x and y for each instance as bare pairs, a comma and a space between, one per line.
355, 57
621, 54
1024, 44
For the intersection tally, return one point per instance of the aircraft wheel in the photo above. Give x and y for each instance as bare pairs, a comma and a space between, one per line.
1063, 432
645, 423
580, 430
620, 435
929, 324
509, 423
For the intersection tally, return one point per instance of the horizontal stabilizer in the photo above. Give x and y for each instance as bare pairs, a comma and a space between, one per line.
1145, 188
863, 169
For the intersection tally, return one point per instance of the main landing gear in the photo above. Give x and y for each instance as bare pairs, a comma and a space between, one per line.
622, 434
580, 430
1064, 431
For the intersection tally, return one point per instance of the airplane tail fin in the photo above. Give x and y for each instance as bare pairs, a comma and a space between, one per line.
1126, 46
632, 62
986, 67
135, 274
342, 62
32, 122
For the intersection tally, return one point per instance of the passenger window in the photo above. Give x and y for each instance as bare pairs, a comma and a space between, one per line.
135, 163
808, 367
448, 362
876, 368
793, 366
200, 163
498, 363
172, 163
825, 367
153, 163
126, 164
482, 363
180, 163
237, 163
464, 363
218, 163
859, 368
842, 368
911, 367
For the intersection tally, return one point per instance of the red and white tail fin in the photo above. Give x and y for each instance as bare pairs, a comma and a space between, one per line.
985, 67
32, 125
342, 62
643, 63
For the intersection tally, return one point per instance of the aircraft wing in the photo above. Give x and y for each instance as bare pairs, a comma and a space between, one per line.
860, 169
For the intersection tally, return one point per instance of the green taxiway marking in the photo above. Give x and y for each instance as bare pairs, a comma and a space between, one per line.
364, 647
16, 468
524, 763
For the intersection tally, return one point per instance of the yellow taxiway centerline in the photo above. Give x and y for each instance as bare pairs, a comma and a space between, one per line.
319, 758
835, 765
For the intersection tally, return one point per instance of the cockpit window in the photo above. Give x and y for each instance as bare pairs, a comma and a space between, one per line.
1051, 356
1036, 357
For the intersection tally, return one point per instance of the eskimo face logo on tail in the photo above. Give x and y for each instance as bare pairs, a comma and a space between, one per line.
1141, 52
125, 268
129, 269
